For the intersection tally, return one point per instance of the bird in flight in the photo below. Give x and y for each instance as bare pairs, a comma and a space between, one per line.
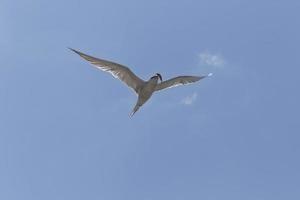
143, 89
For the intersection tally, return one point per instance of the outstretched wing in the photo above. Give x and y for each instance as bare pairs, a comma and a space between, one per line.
180, 80
118, 71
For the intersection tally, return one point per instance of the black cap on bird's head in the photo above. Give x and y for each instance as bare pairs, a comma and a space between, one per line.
159, 76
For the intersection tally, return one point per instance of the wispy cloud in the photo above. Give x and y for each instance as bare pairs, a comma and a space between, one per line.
210, 59
189, 100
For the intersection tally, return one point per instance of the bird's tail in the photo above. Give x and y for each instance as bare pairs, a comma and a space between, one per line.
136, 107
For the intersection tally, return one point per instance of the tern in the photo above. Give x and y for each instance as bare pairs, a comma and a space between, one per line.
143, 89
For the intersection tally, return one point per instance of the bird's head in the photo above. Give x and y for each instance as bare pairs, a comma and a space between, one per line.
159, 76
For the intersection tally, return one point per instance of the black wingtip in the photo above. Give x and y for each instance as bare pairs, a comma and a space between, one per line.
73, 50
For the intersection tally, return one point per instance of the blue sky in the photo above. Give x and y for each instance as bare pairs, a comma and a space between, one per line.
65, 130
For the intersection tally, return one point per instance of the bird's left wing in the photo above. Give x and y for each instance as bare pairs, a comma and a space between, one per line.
118, 71
180, 80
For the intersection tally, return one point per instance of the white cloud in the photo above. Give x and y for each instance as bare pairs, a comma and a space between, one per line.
214, 60
189, 100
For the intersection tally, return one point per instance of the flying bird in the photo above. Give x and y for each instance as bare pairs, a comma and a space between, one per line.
143, 89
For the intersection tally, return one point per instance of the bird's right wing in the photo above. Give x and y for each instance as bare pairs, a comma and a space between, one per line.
180, 80
118, 71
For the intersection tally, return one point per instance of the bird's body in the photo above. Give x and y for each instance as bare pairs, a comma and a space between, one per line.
145, 93
144, 89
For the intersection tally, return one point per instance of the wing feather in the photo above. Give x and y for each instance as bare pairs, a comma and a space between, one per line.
177, 81
118, 71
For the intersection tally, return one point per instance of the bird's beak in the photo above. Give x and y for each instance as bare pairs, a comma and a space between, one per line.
159, 76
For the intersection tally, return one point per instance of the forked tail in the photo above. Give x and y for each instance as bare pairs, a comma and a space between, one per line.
136, 107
